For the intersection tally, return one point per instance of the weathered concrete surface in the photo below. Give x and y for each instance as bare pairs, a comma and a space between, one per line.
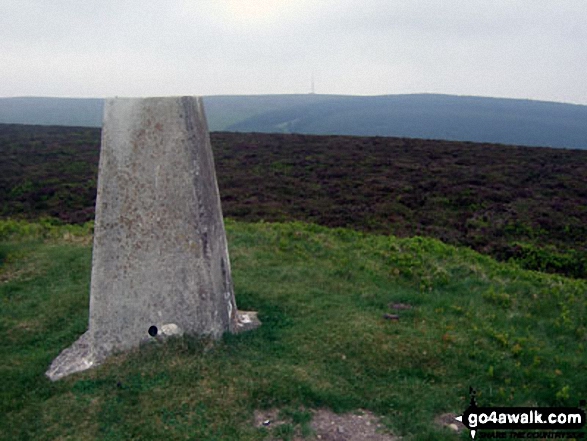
160, 254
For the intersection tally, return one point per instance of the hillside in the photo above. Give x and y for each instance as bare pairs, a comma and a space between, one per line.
445, 117
398, 327
521, 203
428, 116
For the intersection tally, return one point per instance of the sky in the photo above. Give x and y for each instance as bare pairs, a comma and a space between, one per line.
530, 49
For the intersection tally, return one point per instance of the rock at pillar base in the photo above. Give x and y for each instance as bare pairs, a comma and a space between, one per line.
247, 321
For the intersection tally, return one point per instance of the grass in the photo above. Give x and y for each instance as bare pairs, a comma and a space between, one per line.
517, 336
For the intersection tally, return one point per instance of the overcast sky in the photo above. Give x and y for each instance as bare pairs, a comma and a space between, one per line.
533, 49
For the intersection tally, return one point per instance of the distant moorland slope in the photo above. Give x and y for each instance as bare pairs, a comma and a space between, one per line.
427, 116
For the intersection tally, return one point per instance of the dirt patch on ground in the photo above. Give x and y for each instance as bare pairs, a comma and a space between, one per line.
448, 420
324, 425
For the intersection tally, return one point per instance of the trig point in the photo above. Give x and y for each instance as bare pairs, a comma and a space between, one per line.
160, 259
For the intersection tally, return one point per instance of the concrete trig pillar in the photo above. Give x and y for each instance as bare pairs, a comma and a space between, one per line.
160, 258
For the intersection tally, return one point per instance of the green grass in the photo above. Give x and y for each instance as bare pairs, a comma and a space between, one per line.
517, 336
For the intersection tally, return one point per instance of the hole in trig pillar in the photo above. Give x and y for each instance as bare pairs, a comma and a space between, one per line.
153, 331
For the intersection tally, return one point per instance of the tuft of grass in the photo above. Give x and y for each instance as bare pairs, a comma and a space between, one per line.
517, 336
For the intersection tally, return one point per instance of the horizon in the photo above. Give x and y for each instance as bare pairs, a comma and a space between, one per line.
302, 94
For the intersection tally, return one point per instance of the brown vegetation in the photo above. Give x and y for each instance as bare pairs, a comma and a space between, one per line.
510, 202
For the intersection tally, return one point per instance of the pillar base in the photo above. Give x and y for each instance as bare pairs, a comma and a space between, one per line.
80, 356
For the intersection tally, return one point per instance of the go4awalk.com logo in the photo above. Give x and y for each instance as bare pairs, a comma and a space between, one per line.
524, 422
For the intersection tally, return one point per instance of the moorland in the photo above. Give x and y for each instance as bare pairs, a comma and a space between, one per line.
512, 203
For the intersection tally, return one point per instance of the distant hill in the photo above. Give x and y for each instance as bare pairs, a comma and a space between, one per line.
448, 117
81, 112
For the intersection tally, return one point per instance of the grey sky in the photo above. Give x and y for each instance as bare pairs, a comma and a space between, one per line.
88, 48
